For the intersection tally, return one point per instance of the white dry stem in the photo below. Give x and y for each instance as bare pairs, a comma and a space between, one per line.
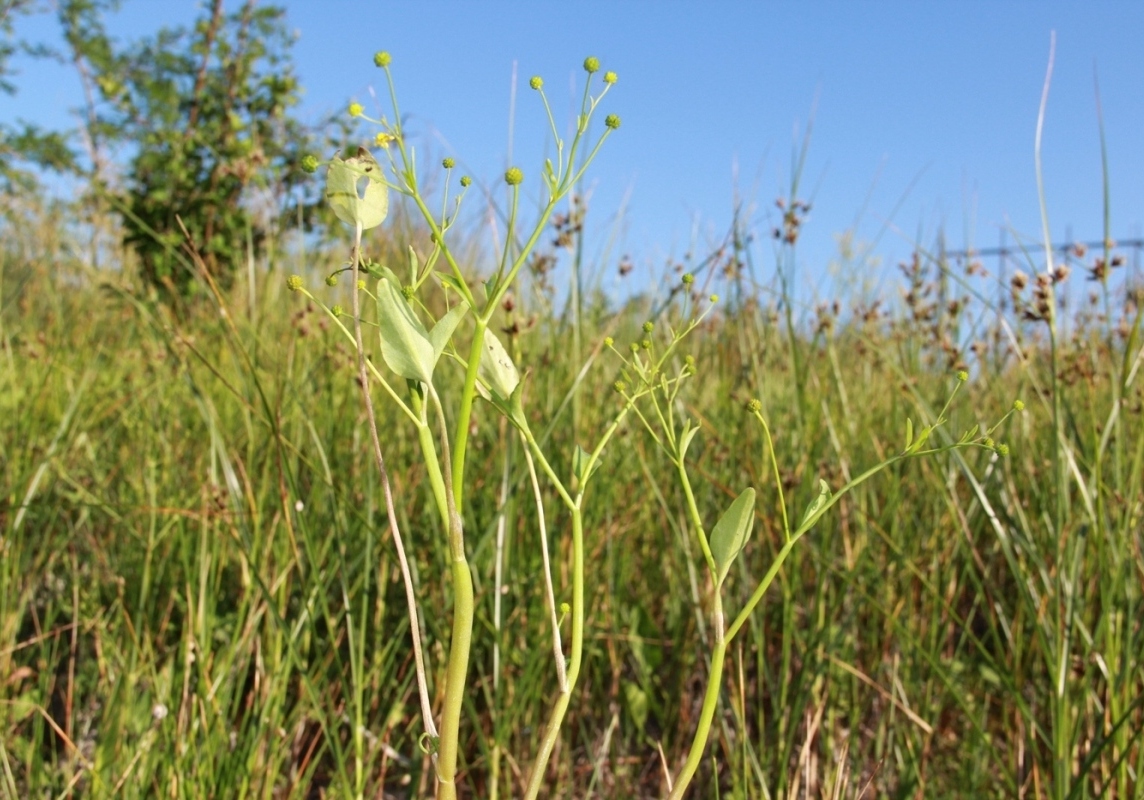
557, 646
410, 597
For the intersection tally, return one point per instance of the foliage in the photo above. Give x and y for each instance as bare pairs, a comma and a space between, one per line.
205, 113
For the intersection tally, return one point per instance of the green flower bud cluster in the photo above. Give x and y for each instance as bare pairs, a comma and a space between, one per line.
962, 376
688, 279
448, 163
382, 59
1018, 405
754, 405
294, 283
612, 121
514, 176
466, 181
337, 311
536, 83
332, 279
356, 109
609, 341
591, 64
407, 292
649, 326
620, 387
309, 163
610, 77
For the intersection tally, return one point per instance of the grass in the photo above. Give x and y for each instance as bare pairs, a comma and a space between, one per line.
199, 596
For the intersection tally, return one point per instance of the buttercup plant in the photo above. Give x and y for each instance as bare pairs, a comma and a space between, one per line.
412, 344
645, 375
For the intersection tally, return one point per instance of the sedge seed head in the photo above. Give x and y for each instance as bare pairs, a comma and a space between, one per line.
610, 77
514, 176
332, 279
536, 83
294, 283
612, 121
356, 109
591, 64
382, 58
309, 163
448, 163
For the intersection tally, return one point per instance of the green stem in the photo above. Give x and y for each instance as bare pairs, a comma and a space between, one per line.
465, 413
707, 714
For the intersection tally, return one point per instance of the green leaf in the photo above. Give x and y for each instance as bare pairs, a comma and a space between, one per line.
405, 345
356, 190
580, 459
496, 368
443, 330
686, 437
731, 533
637, 704
909, 433
815, 508
414, 266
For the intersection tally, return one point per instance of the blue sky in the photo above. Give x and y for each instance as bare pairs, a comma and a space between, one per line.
924, 112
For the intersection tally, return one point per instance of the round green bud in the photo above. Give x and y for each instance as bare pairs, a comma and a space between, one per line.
536, 82
407, 292
634, 347
382, 58
1002, 450
689, 362
513, 176
688, 279
610, 77
648, 326
356, 109
989, 442
609, 341
714, 298
620, 387
962, 376
448, 163
309, 163
337, 311
294, 283
361, 285
565, 608
465, 181
645, 344
591, 64
612, 121
1018, 405
754, 406
332, 279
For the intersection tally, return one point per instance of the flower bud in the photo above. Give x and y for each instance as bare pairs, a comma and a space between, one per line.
337, 311
612, 121
962, 376
513, 176
294, 283
356, 109
1018, 405
688, 279
620, 387
448, 163
465, 181
610, 77
382, 58
536, 82
591, 64
649, 326
609, 341
754, 405
332, 279
309, 163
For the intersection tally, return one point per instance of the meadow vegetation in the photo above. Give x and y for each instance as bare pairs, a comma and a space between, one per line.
201, 594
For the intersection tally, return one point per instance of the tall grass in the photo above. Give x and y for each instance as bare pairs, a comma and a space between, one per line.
199, 598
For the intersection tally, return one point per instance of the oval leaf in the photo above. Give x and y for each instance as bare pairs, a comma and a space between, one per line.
496, 368
731, 533
814, 510
405, 345
356, 190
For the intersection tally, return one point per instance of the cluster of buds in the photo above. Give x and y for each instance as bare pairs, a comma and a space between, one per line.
793, 218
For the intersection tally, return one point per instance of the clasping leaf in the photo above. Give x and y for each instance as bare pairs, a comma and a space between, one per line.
367, 208
731, 533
